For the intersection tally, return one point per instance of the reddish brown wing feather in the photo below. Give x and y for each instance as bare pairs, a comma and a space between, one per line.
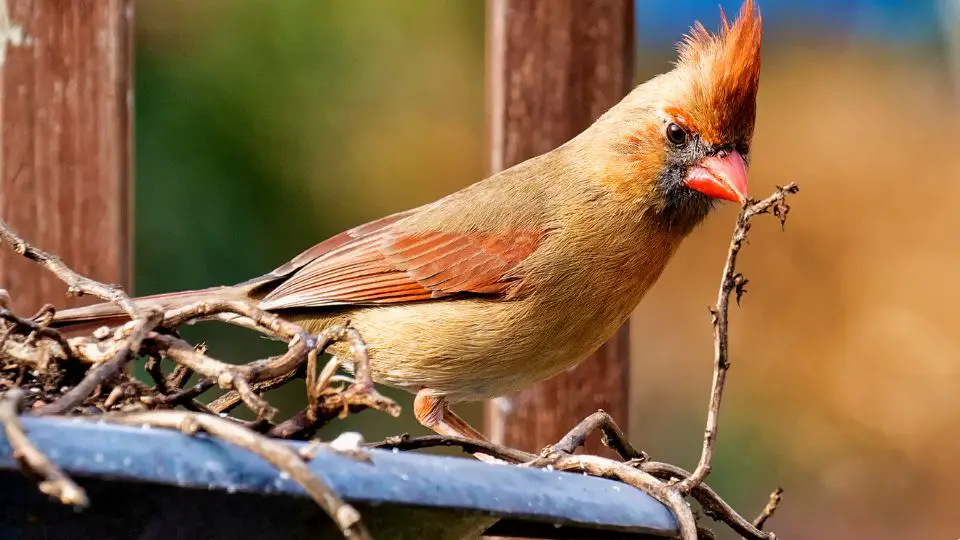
375, 264
334, 242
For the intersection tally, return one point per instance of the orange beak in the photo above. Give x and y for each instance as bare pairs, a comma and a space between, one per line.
720, 177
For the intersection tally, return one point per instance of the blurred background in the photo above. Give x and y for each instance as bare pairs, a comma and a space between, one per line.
310, 117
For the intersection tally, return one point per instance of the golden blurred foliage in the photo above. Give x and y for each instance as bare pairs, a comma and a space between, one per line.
846, 351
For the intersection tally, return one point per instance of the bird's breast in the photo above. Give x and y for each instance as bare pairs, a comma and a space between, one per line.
470, 349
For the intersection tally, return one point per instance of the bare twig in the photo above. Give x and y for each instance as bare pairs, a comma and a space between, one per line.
312, 374
184, 396
277, 366
276, 453
53, 482
729, 283
769, 509
76, 284
612, 437
405, 442
180, 375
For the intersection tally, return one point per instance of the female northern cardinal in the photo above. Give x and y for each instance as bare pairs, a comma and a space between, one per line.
517, 277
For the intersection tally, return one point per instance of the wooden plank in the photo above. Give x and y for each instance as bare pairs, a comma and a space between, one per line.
65, 141
553, 67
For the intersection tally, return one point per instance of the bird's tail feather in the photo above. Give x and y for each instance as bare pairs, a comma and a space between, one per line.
109, 313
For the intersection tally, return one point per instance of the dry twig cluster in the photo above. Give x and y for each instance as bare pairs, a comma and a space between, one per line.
48, 374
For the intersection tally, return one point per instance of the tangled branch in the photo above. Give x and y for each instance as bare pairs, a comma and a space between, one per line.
107, 388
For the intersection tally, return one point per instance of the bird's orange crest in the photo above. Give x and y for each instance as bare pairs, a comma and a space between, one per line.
725, 72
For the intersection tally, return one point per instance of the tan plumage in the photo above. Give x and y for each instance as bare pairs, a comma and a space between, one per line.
519, 276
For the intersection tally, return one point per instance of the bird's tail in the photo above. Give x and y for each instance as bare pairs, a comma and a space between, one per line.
109, 313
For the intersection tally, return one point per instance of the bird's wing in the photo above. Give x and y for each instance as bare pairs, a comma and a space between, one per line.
379, 263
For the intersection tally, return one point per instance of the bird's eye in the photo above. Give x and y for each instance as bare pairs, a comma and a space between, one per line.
676, 134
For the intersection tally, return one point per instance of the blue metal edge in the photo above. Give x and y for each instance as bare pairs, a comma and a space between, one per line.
91, 449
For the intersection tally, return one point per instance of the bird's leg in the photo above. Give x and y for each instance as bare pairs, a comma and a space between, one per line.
434, 412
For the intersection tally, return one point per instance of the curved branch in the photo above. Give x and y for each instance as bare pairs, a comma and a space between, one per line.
406, 442
613, 436
53, 481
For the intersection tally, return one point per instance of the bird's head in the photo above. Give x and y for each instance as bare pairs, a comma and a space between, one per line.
686, 134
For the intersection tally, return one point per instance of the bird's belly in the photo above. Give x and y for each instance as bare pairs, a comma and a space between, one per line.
475, 349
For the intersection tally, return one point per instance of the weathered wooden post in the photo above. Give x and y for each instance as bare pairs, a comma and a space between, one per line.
553, 67
65, 141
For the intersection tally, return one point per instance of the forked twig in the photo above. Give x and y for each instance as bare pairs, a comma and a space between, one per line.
76, 284
730, 282
712, 504
362, 391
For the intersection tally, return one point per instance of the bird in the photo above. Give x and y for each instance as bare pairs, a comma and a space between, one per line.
522, 275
